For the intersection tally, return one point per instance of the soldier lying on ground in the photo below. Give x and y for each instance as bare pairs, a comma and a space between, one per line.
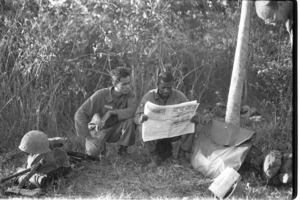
165, 94
55, 162
113, 109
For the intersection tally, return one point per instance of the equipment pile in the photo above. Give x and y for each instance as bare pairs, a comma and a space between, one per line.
48, 161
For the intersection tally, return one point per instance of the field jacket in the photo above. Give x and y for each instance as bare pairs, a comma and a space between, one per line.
101, 102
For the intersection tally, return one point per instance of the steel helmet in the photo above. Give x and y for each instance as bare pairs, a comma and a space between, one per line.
35, 142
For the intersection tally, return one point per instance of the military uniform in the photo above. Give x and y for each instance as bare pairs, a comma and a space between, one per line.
55, 161
119, 128
176, 97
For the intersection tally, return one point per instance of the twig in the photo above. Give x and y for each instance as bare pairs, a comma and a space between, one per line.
16, 94
93, 70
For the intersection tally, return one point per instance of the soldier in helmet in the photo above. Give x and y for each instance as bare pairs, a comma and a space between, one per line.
55, 162
111, 111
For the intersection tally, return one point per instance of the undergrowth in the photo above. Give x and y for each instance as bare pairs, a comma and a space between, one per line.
116, 177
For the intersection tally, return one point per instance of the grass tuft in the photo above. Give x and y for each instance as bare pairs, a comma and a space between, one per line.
117, 177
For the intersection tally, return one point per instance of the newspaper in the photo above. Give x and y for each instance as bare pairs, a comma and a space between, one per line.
168, 121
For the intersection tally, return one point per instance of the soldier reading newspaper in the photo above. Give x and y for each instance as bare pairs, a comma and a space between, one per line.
164, 121
168, 121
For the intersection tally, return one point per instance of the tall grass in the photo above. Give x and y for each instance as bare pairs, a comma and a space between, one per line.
53, 58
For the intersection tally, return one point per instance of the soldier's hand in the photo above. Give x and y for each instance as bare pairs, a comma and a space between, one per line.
101, 124
195, 119
142, 118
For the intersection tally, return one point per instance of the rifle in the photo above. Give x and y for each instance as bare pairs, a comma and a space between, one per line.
35, 167
31, 173
15, 175
19, 189
81, 156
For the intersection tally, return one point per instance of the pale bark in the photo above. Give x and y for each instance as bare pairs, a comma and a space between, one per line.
239, 65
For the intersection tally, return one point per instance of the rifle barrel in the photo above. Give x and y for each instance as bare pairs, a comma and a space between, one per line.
31, 173
14, 175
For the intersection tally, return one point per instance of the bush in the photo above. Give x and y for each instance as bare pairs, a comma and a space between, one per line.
55, 55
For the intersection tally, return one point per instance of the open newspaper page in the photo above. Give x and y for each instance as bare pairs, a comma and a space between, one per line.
168, 121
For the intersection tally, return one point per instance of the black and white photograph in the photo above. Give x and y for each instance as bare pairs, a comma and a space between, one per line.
148, 99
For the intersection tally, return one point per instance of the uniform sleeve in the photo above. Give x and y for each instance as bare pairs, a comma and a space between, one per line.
140, 108
85, 113
182, 98
128, 112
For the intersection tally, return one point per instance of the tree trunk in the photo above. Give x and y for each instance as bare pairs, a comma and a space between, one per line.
239, 65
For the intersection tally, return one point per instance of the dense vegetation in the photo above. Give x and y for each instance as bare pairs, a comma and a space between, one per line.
55, 54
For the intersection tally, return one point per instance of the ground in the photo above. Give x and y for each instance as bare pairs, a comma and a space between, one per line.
128, 178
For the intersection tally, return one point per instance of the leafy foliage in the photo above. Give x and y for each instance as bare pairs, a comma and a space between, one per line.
55, 54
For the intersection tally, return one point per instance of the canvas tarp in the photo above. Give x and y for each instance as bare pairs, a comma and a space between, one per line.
220, 145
